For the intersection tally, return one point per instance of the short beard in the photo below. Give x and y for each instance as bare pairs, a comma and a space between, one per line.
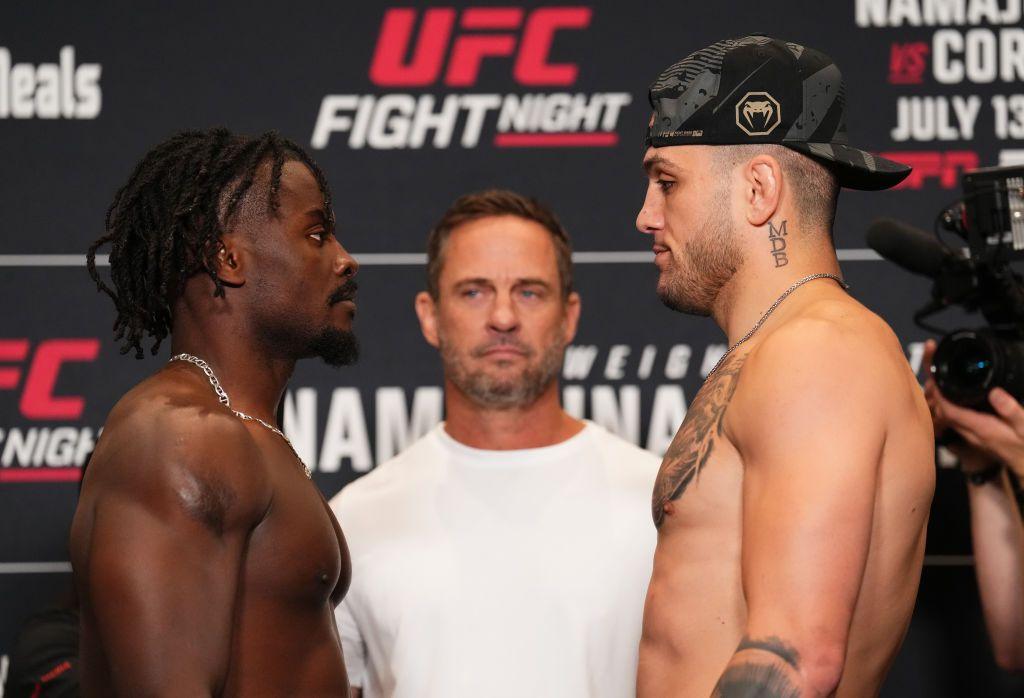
336, 347
288, 335
693, 281
492, 393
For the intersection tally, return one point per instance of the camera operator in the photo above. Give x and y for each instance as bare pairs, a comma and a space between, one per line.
991, 446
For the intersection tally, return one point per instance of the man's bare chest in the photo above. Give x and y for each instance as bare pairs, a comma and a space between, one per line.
699, 443
298, 550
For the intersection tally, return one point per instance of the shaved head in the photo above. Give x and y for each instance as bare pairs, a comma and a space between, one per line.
815, 191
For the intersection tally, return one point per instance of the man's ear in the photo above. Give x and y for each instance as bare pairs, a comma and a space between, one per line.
230, 262
426, 311
763, 184
572, 317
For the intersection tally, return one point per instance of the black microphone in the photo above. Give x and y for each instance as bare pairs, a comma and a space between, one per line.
911, 248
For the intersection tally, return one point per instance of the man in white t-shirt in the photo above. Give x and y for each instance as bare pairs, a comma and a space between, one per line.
508, 551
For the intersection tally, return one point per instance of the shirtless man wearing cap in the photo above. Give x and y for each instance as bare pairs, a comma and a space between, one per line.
791, 506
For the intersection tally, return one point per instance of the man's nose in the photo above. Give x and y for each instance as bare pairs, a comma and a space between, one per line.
345, 264
503, 316
651, 217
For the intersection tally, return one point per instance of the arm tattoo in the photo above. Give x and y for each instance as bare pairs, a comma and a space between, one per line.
749, 680
693, 444
774, 644
777, 236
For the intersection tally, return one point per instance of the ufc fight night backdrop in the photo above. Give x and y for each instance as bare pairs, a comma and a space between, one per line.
406, 107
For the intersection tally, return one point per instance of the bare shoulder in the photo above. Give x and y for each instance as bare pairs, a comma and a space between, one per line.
833, 380
835, 355
170, 443
833, 340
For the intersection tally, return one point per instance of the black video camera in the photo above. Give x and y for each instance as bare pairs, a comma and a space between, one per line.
990, 219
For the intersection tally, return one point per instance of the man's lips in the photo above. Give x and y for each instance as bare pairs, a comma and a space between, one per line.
499, 350
344, 293
503, 351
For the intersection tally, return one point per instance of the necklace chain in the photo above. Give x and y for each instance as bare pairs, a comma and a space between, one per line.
226, 401
771, 309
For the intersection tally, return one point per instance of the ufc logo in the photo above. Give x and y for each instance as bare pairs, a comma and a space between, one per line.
37, 398
495, 33
907, 63
943, 166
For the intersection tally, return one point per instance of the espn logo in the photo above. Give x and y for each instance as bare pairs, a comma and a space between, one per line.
944, 167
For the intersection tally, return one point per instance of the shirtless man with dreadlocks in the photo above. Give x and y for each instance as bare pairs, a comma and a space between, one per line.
206, 560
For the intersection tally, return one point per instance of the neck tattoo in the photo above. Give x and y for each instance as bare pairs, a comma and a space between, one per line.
777, 237
771, 309
226, 401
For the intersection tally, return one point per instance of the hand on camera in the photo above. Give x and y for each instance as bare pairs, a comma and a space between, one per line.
986, 437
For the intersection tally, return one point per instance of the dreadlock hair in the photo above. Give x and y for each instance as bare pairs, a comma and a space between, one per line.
166, 223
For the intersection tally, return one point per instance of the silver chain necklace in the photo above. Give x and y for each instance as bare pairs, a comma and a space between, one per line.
771, 309
226, 401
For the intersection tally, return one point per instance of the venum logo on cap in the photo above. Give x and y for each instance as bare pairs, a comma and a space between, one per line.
758, 114
688, 102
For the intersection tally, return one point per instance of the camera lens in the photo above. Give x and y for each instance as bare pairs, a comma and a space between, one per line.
970, 363
964, 367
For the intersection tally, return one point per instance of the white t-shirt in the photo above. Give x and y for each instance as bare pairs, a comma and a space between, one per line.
483, 574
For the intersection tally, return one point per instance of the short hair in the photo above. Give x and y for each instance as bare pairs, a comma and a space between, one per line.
815, 188
166, 222
497, 202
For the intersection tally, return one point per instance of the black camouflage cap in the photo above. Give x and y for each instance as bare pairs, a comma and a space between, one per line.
757, 89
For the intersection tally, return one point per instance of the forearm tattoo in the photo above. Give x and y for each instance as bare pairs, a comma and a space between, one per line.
774, 644
750, 679
777, 237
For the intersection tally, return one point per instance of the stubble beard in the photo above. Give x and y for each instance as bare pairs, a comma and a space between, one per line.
290, 339
693, 280
335, 347
287, 333
503, 393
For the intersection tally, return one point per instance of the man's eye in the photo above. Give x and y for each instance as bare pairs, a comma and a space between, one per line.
319, 236
665, 184
470, 293
529, 293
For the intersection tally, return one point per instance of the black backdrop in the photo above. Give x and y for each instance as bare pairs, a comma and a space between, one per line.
555, 108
